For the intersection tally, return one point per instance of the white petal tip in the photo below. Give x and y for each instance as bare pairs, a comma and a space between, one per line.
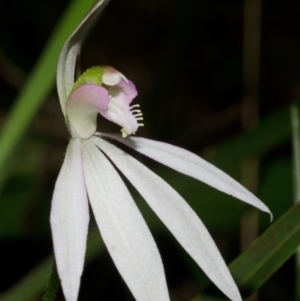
271, 217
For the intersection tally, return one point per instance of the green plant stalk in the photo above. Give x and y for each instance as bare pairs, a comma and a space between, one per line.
296, 173
40, 82
52, 286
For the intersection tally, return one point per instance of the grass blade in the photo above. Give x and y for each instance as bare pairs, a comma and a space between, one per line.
40, 82
296, 168
267, 254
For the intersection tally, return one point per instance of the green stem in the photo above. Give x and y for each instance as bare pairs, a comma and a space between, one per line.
52, 286
296, 169
39, 83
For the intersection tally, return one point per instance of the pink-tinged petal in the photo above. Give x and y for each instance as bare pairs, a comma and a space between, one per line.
120, 111
111, 76
69, 220
189, 164
123, 229
83, 106
123, 92
67, 59
177, 215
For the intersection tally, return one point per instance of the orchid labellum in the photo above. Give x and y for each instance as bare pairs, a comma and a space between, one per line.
88, 177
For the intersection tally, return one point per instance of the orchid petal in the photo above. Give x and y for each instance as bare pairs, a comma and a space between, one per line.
67, 60
177, 215
192, 165
123, 228
83, 107
120, 111
111, 76
69, 220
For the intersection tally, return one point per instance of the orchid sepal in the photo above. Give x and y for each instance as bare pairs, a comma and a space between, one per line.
65, 75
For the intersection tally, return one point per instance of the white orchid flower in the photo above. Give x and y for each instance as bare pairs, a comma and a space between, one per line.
87, 175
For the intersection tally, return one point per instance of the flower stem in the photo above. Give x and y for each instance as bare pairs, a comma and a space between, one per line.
296, 170
52, 286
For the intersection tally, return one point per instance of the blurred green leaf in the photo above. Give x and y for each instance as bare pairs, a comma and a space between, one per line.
13, 207
296, 150
53, 285
276, 189
40, 82
32, 284
296, 173
271, 132
267, 254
